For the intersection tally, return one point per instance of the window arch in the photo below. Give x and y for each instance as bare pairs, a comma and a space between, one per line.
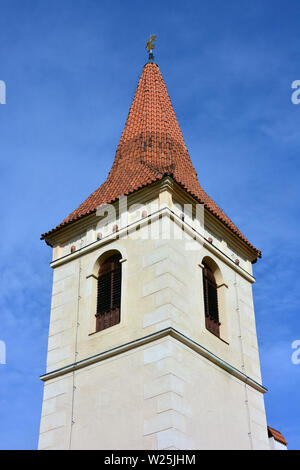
109, 293
211, 308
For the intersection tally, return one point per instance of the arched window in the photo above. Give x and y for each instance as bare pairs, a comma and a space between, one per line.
210, 301
109, 293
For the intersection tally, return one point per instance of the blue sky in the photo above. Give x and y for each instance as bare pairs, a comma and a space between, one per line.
71, 68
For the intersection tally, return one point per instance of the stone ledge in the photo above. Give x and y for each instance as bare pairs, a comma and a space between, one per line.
171, 332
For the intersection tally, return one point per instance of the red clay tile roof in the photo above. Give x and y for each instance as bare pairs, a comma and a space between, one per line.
151, 147
277, 435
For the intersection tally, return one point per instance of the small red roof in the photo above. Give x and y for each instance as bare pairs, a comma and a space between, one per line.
151, 147
277, 435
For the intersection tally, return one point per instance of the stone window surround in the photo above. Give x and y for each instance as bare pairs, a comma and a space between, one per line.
222, 286
92, 280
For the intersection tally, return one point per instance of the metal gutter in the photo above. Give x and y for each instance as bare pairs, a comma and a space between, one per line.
149, 339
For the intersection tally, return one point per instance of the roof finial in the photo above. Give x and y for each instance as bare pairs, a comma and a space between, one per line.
150, 46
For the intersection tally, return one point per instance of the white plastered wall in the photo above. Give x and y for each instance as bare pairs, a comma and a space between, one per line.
161, 288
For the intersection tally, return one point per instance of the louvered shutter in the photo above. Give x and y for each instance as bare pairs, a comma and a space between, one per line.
211, 301
109, 293
104, 301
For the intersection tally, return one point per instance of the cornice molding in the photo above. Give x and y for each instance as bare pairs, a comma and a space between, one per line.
165, 211
167, 332
146, 194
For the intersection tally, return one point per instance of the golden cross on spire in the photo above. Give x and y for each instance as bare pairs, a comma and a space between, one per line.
150, 44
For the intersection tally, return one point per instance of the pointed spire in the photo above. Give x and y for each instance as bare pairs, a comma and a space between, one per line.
151, 147
152, 137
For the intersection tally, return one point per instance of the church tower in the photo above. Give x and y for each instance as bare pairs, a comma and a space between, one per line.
152, 340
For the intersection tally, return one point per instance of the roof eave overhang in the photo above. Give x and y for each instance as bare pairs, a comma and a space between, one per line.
49, 237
